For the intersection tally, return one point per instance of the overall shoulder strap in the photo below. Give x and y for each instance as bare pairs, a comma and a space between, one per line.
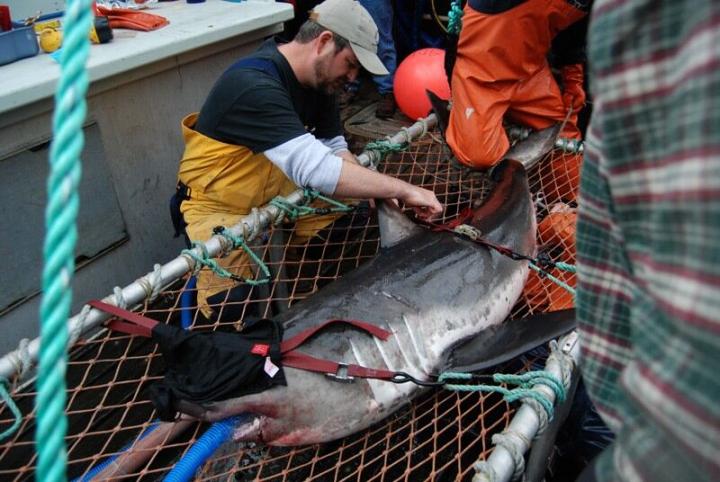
263, 65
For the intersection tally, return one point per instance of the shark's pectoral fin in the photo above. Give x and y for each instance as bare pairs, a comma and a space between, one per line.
503, 342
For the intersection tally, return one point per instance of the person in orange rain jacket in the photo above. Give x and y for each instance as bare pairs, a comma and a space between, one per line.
502, 67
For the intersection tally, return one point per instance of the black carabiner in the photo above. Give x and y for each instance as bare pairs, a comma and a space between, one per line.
402, 377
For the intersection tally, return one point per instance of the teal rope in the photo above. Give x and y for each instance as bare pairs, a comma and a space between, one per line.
205, 260
312, 195
293, 211
239, 242
12, 406
562, 266
525, 384
60, 240
384, 147
455, 17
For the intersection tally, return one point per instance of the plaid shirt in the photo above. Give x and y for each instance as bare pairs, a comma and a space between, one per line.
648, 238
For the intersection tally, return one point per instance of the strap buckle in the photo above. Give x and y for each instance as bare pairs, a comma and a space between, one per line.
341, 374
469, 231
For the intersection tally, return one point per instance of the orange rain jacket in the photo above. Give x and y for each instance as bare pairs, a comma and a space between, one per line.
502, 68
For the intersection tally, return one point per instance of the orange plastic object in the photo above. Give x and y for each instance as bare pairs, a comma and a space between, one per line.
558, 297
535, 294
421, 70
132, 19
561, 178
558, 229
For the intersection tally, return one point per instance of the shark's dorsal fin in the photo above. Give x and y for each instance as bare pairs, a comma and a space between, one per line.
394, 225
441, 109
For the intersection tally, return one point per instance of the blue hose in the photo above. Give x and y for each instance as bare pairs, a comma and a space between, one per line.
105, 463
186, 301
202, 449
206, 445
219, 432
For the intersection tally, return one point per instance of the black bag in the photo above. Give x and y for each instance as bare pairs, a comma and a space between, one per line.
203, 367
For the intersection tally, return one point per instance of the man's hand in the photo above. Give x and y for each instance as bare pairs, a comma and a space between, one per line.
423, 202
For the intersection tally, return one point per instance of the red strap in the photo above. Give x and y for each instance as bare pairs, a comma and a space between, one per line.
301, 337
462, 218
296, 359
139, 325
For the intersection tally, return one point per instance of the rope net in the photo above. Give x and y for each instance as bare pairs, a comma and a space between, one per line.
440, 434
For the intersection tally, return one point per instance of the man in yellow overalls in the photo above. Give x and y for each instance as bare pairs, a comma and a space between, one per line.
270, 124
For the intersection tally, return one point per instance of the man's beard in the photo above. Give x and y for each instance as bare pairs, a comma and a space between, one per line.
324, 83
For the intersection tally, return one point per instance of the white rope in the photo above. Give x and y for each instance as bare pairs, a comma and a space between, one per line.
564, 361
76, 329
120, 301
24, 358
543, 419
516, 444
151, 283
484, 472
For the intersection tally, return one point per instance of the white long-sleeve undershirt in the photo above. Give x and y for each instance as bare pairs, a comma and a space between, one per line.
310, 162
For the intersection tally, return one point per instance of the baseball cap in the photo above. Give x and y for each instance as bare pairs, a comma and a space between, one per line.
351, 21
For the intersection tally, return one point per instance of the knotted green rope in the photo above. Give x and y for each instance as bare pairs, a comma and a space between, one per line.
293, 211
204, 259
239, 242
4, 383
455, 18
60, 240
385, 146
338, 207
525, 384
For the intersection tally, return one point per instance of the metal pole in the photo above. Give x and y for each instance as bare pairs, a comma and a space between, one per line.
136, 292
526, 421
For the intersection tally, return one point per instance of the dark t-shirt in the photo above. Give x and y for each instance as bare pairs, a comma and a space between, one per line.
248, 106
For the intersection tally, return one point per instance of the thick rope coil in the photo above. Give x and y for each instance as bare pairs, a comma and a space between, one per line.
194, 258
516, 444
484, 472
542, 414
250, 231
25, 359
76, 330
120, 300
564, 361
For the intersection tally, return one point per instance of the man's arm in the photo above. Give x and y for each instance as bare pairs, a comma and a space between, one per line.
359, 182
308, 162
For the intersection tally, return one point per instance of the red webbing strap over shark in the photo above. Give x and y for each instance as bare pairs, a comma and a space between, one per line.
143, 326
463, 218
301, 337
296, 359
139, 325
